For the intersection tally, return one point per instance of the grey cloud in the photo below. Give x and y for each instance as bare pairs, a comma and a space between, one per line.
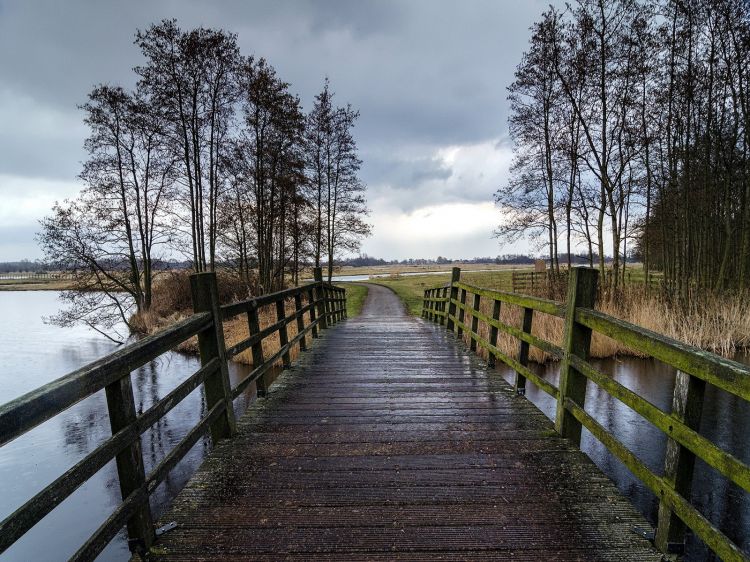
403, 174
423, 73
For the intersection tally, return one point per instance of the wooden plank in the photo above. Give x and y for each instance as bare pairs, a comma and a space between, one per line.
347, 459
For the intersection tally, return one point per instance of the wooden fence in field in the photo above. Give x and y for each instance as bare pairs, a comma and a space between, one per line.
317, 306
37, 275
696, 368
537, 282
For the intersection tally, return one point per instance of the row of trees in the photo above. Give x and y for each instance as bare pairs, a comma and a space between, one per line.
631, 123
212, 157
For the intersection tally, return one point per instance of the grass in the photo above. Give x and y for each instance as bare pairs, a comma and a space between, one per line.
720, 324
355, 298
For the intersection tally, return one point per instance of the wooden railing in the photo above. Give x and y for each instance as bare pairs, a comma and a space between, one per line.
324, 306
696, 368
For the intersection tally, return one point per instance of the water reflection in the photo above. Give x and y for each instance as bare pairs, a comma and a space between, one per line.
725, 421
40, 353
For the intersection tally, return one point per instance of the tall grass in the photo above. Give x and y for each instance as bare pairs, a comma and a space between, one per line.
717, 323
172, 302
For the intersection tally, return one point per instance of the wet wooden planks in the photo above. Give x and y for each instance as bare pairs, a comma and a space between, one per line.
390, 441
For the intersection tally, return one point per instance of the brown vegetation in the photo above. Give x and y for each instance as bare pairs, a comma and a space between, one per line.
172, 302
720, 324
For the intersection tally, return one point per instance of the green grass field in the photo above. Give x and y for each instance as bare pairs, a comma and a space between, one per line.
410, 288
355, 298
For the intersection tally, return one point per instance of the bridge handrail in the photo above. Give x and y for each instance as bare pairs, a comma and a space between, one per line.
695, 368
326, 305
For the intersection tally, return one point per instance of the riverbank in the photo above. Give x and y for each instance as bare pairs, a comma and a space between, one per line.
720, 324
172, 303
35, 285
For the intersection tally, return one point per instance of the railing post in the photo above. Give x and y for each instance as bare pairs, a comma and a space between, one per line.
300, 321
523, 350
462, 313
431, 305
453, 296
283, 332
311, 302
130, 470
493, 332
576, 341
443, 307
211, 345
474, 322
253, 324
424, 303
679, 462
320, 297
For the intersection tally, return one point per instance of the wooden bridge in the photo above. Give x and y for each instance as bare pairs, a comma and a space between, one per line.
389, 439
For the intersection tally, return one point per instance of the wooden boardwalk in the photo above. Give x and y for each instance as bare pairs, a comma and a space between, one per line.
391, 441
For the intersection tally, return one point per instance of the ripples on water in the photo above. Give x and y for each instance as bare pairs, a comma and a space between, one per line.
35, 354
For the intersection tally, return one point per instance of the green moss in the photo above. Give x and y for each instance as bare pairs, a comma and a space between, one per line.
355, 298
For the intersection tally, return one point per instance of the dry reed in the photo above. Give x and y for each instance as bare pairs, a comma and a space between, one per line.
717, 323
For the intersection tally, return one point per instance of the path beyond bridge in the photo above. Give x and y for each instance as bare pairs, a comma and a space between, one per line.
390, 440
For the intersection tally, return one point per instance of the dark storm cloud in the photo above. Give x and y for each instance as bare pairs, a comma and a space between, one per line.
425, 74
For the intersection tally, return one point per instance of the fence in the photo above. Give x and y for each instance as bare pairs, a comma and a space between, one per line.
696, 368
325, 305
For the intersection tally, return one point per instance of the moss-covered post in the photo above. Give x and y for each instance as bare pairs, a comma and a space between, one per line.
453, 296
130, 470
311, 302
493, 333
523, 350
300, 321
582, 288
320, 297
461, 313
283, 332
211, 345
475, 322
679, 462
253, 325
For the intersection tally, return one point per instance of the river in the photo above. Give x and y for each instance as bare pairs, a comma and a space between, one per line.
35, 353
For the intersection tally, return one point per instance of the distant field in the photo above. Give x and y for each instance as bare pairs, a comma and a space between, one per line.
410, 288
355, 298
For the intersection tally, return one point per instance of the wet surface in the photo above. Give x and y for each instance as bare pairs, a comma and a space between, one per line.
34, 354
725, 422
390, 441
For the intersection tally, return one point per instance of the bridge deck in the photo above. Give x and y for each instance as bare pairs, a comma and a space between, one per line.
390, 441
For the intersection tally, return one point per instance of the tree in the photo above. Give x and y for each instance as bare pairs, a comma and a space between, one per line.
191, 78
335, 191
108, 234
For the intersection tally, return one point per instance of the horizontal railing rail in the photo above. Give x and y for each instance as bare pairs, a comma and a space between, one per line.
325, 305
448, 306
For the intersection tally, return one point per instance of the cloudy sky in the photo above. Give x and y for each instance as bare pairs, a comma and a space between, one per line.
429, 78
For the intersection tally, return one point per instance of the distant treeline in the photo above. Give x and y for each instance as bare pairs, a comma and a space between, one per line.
359, 261
631, 124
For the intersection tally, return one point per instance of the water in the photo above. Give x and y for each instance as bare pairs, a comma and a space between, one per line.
725, 421
35, 353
